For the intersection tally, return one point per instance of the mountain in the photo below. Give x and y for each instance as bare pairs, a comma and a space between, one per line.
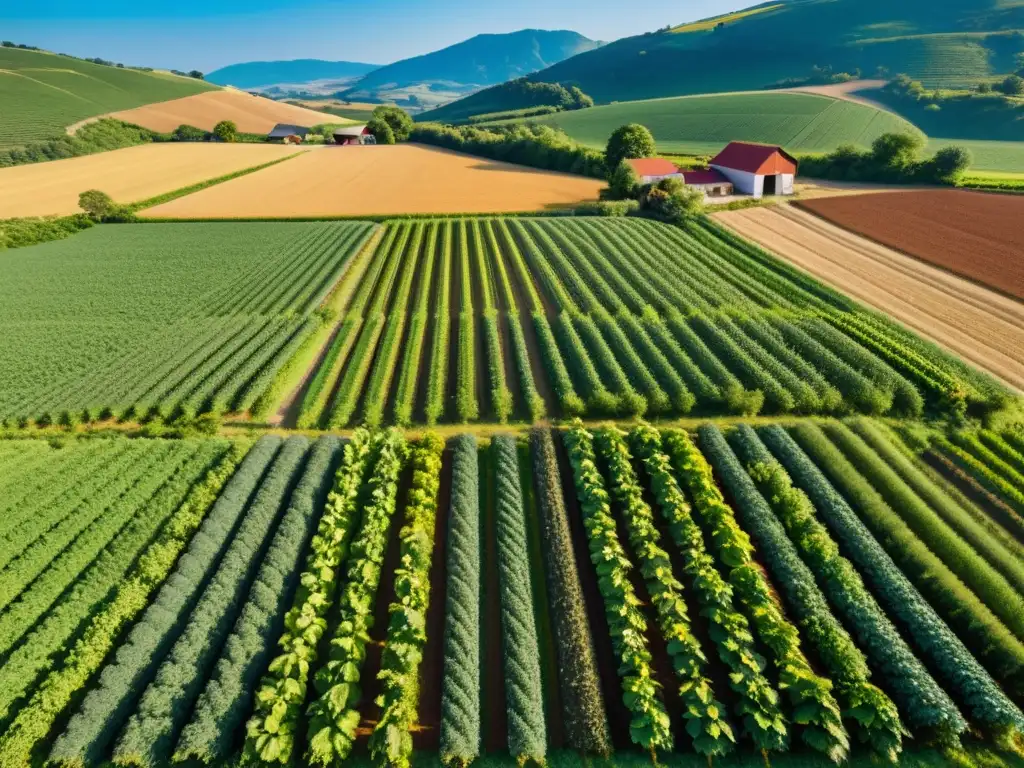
942, 42
481, 61
255, 74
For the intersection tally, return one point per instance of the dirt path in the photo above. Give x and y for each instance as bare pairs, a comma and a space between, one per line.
846, 92
952, 312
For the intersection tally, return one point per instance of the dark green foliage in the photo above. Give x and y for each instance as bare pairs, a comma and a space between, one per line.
397, 119
954, 666
874, 715
101, 136
333, 716
523, 97
17, 233
226, 130
583, 711
226, 700
524, 699
629, 142
391, 742
962, 587
381, 130
624, 182
279, 701
584, 373
705, 717
460, 696
650, 726
105, 708
570, 402
148, 736
894, 158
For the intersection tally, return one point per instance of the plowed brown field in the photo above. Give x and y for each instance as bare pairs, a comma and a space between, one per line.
382, 180
978, 324
127, 175
977, 235
252, 114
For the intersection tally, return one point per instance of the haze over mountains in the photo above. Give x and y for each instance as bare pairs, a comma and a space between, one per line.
255, 74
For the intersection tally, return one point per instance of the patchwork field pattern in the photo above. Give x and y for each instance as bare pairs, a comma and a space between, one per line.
170, 319
295, 600
509, 319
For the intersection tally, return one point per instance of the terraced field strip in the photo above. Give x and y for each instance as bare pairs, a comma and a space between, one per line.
932, 302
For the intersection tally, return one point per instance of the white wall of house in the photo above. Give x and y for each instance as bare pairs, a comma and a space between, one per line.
786, 188
656, 179
746, 183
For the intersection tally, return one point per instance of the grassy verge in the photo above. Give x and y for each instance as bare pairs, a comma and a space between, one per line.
166, 197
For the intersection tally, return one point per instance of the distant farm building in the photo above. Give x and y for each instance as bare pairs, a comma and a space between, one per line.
290, 134
353, 134
711, 182
757, 169
653, 169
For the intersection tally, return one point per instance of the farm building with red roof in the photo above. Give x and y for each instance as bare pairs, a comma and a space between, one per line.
653, 169
757, 169
713, 183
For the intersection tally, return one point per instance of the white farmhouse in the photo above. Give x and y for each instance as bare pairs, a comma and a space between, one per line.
757, 169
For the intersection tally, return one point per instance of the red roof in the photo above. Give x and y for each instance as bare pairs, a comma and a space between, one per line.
653, 166
710, 176
755, 158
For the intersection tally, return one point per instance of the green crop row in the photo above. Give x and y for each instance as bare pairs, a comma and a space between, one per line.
437, 382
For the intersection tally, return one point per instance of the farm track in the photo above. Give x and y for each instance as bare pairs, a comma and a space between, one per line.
938, 313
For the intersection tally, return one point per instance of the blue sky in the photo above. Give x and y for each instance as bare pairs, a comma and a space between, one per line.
207, 34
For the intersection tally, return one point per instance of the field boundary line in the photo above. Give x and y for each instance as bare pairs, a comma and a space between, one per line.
166, 197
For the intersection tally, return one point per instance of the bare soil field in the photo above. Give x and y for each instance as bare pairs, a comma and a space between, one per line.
978, 324
974, 234
127, 175
383, 180
252, 114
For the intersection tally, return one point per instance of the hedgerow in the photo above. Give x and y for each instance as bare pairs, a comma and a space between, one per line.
148, 736
757, 700
930, 555
780, 508
460, 695
952, 663
333, 716
227, 696
527, 733
278, 703
391, 741
583, 712
706, 723
650, 726
35, 719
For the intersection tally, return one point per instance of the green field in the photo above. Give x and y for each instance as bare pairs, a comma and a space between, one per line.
176, 318
999, 156
43, 93
705, 124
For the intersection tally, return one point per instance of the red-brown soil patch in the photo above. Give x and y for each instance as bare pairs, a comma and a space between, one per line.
973, 234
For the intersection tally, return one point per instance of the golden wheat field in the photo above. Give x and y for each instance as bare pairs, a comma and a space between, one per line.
127, 175
382, 180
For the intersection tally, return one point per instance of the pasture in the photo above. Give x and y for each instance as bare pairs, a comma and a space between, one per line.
252, 114
128, 175
43, 93
165, 319
380, 181
702, 125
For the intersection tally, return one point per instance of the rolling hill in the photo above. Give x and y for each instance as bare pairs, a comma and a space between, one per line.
43, 93
476, 63
254, 74
942, 42
697, 125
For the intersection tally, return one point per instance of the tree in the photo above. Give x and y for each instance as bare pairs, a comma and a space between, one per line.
673, 202
629, 141
398, 119
196, 74
97, 204
381, 131
950, 163
188, 133
580, 100
226, 130
1020, 64
897, 150
624, 182
1013, 85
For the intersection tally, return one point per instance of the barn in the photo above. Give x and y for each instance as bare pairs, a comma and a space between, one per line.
756, 169
283, 132
711, 182
353, 134
653, 169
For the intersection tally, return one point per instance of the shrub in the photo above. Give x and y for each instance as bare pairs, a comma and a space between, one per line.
189, 133
97, 205
624, 182
381, 131
629, 142
397, 119
226, 130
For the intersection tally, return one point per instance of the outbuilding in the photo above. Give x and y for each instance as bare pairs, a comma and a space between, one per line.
757, 169
711, 182
284, 132
353, 134
653, 169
